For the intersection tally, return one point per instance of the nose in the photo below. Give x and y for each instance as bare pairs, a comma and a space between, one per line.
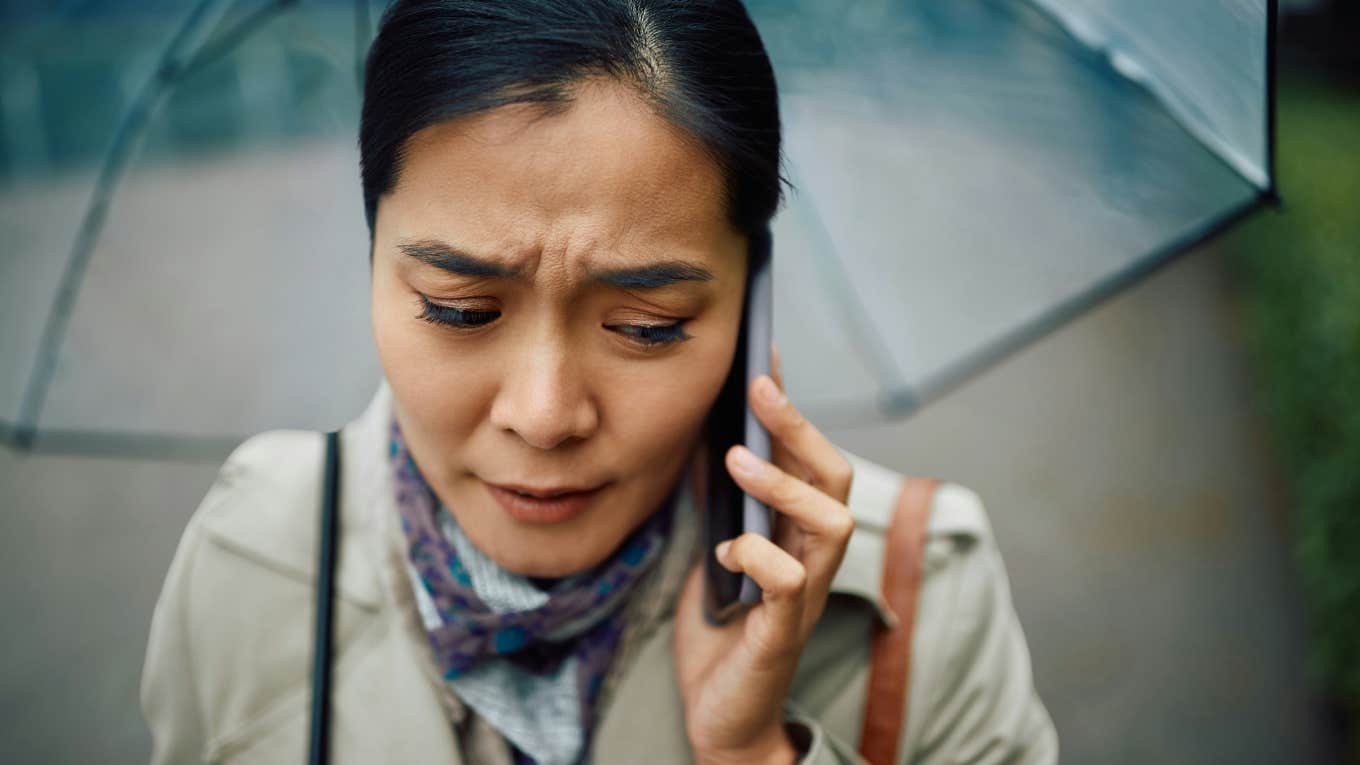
544, 400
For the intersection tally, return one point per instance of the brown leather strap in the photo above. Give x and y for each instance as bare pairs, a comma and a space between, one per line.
885, 709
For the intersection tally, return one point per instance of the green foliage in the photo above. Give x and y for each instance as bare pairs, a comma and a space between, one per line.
1300, 272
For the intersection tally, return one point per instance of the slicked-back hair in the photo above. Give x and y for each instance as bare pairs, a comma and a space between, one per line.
700, 64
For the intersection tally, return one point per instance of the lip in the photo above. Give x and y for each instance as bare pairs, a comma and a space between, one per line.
550, 505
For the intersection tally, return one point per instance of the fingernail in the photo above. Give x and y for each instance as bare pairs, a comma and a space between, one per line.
722, 549
769, 391
747, 461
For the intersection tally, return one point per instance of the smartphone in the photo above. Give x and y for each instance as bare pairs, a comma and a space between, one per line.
729, 511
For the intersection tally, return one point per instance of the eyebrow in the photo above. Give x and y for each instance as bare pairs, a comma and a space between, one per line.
652, 276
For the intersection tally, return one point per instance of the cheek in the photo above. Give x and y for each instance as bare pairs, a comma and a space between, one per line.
436, 387
660, 407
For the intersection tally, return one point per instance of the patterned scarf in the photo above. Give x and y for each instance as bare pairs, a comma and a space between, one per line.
514, 650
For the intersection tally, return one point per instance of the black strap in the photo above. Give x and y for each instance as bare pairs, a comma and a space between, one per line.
325, 591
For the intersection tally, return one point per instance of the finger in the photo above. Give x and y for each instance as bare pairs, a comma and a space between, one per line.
781, 456
783, 583
787, 535
826, 524
827, 468
811, 509
779, 453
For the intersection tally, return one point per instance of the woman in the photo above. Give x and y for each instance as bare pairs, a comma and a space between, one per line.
561, 198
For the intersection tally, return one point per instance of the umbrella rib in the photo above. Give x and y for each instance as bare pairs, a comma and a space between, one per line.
1063, 313
869, 343
112, 443
58, 318
223, 43
171, 68
842, 414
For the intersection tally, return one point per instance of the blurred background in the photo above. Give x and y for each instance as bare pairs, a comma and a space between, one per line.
1170, 453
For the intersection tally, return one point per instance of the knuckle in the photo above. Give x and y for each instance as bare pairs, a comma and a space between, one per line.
841, 525
794, 578
746, 544
843, 474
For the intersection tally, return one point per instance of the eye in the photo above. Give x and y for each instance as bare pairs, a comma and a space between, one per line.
652, 334
454, 317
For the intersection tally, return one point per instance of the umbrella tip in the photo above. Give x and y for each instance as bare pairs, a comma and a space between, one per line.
899, 402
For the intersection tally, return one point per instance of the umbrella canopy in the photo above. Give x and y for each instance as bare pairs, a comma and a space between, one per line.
974, 173
185, 254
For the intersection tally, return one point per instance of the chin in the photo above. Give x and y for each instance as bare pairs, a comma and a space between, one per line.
548, 551
549, 561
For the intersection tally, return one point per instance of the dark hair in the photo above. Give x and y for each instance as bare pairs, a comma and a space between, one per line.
699, 63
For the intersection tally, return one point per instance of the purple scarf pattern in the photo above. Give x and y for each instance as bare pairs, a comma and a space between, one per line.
471, 632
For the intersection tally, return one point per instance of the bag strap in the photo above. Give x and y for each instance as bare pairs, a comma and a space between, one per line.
325, 592
885, 709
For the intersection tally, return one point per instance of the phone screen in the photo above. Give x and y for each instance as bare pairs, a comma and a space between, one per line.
729, 511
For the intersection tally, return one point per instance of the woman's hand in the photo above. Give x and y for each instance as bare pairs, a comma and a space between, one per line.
733, 678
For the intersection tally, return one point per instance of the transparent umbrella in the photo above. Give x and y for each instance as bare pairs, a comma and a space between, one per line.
185, 255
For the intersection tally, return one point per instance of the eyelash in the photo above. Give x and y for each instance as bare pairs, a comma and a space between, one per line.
651, 335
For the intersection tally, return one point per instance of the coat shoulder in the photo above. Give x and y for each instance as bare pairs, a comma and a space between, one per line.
264, 511
229, 647
956, 525
971, 677
259, 489
224, 640
956, 510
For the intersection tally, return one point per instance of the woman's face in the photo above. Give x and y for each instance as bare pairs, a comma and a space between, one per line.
592, 289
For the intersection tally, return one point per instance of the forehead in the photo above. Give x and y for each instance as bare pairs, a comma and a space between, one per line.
605, 178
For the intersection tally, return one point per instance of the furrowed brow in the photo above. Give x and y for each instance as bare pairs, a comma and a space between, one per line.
453, 260
653, 276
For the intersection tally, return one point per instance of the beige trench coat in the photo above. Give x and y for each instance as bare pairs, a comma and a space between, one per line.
227, 666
